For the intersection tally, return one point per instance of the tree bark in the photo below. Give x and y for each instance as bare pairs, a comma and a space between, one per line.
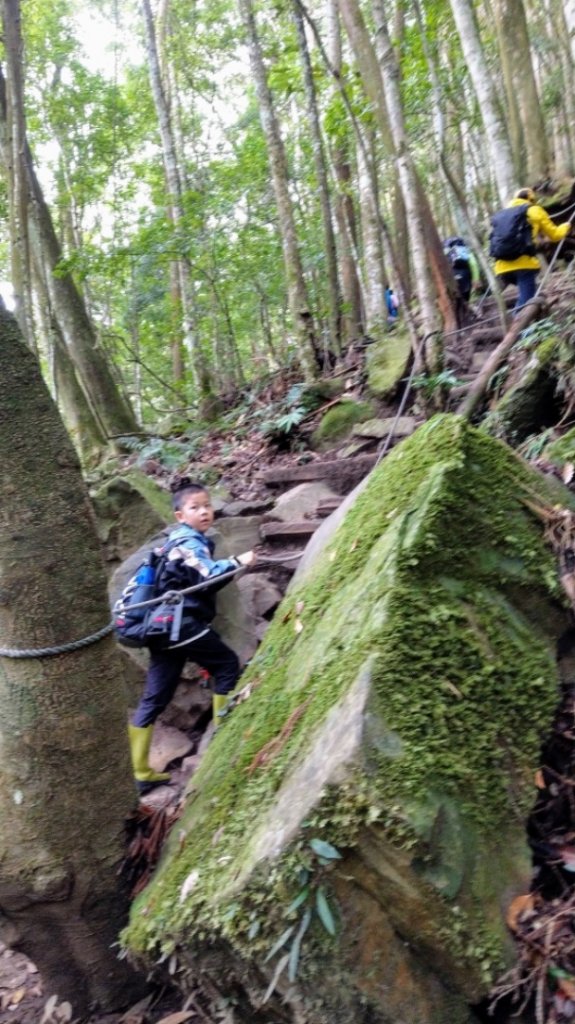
331, 269
409, 182
496, 139
65, 780
83, 429
297, 292
20, 261
515, 55
374, 270
352, 320
175, 212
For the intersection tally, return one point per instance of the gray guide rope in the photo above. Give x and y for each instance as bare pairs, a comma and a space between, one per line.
170, 595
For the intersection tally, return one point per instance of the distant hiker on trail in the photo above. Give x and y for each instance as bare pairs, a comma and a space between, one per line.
392, 304
513, 243
192, 556
465, 267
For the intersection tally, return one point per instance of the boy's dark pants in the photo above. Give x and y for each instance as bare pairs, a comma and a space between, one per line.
166, 667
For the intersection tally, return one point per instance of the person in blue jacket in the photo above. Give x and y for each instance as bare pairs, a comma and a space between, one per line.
190, 556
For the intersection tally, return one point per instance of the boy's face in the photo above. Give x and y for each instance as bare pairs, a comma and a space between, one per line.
196, 511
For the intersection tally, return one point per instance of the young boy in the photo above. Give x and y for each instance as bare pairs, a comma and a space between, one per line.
190, 561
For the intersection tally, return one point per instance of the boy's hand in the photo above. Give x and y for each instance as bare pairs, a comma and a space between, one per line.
248, 558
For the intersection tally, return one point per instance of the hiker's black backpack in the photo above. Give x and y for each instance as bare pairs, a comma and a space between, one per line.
135, 627
457, 253
511, 234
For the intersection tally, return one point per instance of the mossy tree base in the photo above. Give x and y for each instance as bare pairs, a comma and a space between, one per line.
399, 701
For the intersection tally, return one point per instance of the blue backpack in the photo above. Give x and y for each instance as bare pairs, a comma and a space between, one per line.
160, 622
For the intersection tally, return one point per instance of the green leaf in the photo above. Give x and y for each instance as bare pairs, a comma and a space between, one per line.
281, 966
253, 929
300, 898
324, 849
296, 945
280, 942
324, 911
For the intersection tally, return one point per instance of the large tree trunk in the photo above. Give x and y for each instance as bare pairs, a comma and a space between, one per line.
181, 277
496, 139
297, 292
20, 262
532, 158
331, 269
352, 320
83, 428
374, 269
409, 182
65, 780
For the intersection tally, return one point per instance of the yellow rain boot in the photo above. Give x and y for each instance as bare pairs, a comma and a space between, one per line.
219, 704
140, 742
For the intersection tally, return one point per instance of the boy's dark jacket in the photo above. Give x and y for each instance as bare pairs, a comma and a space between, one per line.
190, 561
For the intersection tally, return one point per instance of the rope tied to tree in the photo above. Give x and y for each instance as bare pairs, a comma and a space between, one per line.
45, 652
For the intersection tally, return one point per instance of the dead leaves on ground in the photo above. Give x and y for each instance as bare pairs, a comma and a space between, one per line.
542, 921
147, 828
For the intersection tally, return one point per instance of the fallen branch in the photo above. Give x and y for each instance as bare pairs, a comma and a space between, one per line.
481, 382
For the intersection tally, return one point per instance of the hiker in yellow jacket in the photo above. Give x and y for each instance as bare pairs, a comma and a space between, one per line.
521, 268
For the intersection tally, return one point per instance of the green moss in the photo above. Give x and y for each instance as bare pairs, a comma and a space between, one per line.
518, 413
387, 361
562, 450
338, 421
417, 582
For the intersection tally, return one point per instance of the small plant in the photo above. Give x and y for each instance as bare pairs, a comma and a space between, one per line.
533, 446
167, 451
311, 902
429, 384
536, 333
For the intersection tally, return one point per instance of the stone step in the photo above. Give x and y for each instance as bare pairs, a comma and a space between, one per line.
327, 506
342, 474
398, 426
270, 531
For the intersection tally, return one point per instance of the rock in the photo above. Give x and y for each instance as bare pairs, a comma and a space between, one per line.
129, 509
300, 502
387, 362
257, 506
524, 408
396, 709
259, 595
342, 475
189, 704
168, 744
237, 534
400, 426
289, 529
337, 423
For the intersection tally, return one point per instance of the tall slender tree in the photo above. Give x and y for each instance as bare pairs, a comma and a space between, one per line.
301, 312
496, 138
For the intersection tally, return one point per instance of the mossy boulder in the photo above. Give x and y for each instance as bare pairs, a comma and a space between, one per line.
355, 830
528, 405
387, 362
339, 422
129, 509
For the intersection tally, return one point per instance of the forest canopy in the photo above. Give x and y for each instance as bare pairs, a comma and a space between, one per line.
197, 194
